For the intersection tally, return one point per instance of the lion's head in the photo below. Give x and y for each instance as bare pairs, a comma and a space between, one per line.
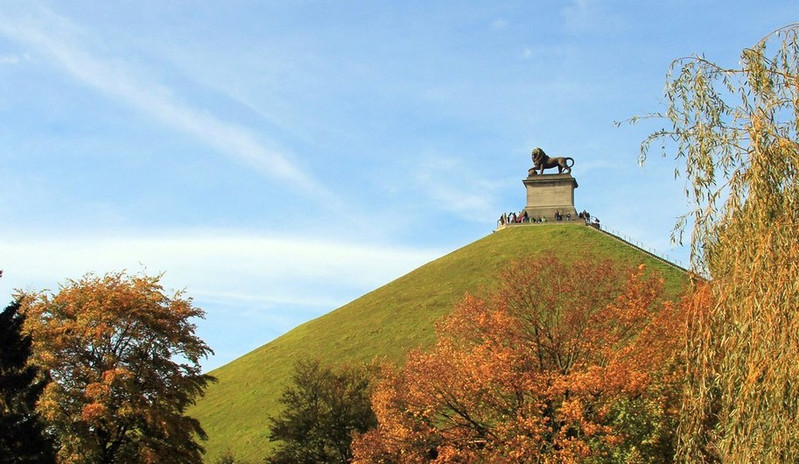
538, 155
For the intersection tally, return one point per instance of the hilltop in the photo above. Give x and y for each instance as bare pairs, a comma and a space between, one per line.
387, 322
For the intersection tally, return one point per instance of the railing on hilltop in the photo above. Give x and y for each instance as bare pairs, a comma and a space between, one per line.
501, 224
594, 223
663, 257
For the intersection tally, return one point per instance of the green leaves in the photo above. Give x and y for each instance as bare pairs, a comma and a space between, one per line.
22, 436
322, 409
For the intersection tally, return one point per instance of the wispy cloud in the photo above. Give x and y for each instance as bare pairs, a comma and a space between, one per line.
57, 38
253, 286
220, 264
12, 59
456, 189
499, 24
583, 16
527, 53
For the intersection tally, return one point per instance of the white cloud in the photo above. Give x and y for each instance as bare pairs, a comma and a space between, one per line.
583, 16
12, 59
527, 53
499, 24
57, 37
252, 287
215, 264
457, 189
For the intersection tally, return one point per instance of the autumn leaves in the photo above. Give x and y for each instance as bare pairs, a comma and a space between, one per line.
562, 362
124, 364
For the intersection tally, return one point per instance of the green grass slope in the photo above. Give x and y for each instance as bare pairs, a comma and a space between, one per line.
386, 322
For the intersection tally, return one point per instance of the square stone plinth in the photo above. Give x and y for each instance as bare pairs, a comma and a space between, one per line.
548, 193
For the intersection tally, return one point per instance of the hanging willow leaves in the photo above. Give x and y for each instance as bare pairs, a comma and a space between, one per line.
734, 134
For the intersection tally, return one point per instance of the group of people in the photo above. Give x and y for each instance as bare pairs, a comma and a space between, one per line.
587, 218
560, 217
522, 217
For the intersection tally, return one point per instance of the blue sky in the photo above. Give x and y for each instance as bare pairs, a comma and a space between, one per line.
277, 159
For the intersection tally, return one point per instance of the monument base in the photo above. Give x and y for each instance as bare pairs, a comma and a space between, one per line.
549, 195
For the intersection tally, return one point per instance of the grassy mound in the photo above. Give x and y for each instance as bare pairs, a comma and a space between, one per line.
386, 322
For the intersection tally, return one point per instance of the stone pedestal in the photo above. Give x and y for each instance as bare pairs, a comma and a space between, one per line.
547, 193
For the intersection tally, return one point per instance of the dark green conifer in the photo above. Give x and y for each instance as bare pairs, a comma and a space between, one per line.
22, 433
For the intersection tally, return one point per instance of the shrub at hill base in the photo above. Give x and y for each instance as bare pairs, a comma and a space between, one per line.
561, 363
323, 408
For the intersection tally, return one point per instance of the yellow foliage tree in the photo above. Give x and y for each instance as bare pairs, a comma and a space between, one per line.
124, 363
735, 132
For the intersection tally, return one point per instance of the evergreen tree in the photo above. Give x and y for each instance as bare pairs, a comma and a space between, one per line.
22, 438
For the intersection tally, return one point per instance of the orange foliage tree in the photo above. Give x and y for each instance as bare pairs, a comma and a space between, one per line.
124, 363
563, 362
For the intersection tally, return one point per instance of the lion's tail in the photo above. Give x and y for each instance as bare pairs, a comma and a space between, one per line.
568, 158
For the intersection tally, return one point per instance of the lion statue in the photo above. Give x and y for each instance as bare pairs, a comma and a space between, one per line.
541, 161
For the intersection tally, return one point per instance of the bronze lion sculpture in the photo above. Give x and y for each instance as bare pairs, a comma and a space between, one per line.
541, 161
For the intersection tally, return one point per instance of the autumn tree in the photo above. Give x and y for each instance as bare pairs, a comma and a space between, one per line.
124, 361
734, 133
323, 407
22, 432
563, 362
